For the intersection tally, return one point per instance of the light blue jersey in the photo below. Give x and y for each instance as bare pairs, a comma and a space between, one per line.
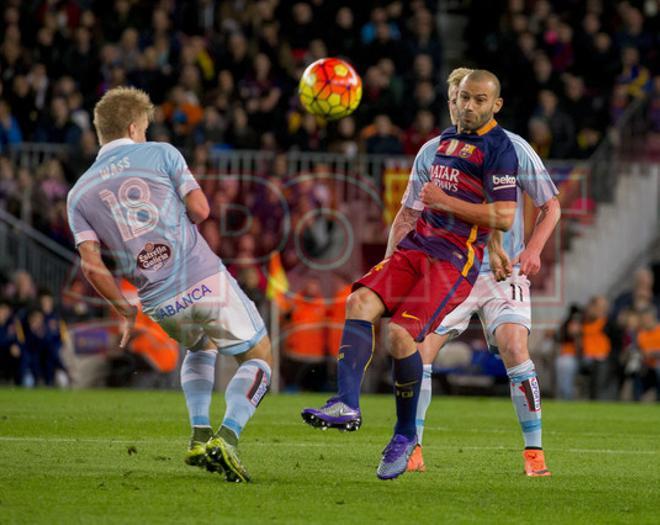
533, 179
131, 201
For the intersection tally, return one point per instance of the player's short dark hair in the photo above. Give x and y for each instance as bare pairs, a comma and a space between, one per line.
483, 75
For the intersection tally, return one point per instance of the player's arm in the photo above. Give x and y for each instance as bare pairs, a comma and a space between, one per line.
411, 205
498, 215
197, 206
403, 223
530, 258
101, 279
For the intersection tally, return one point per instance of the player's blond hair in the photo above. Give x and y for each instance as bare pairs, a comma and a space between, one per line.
117, 109
458, 74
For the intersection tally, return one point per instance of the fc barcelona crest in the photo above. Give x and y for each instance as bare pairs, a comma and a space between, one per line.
466, 151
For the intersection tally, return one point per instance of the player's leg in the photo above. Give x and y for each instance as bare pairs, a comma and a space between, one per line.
197, 375
511, 341
428, 349
508, 321
246, 389
407, 374
233, 324
439, 290
244, 392
197, 378
363, 309
380, 290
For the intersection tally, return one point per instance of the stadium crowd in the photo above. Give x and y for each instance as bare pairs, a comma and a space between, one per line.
603, 347
225, 73
223, 76
32, 333
568, 69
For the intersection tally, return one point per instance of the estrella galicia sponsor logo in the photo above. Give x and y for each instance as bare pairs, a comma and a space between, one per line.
154, 256
182, 302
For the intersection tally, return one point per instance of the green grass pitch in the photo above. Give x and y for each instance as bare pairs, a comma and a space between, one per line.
64, 458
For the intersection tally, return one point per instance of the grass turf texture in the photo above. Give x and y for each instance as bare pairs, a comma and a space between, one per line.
116, 457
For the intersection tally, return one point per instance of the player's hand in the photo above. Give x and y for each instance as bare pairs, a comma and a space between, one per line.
500, 264
127, 324
432, 196
530, 262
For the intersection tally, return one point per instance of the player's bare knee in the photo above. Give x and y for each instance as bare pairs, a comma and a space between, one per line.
262, 350
363, 304
401, 342
430, 347
512, 346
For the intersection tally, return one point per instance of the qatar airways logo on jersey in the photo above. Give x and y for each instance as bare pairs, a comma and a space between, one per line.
182, 302
445, 177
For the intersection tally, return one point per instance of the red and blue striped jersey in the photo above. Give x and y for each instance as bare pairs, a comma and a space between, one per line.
476, 167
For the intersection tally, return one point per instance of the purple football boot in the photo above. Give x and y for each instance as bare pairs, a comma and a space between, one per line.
395, 457
334, 414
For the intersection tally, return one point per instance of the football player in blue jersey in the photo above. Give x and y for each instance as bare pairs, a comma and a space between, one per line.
140, 201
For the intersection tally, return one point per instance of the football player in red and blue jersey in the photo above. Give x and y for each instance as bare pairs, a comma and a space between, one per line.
472, 190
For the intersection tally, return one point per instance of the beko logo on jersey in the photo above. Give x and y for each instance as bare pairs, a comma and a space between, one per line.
115, 167
445, 177
182, 302
154, 256
502, 180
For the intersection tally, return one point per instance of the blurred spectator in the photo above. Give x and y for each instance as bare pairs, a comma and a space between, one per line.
570, 351
561, 125
344, 140
383, 137
57, 127
10, 132
640, 297
540, 137
183, 113
310, 136
21, 291
648, 341
634, 76
423, 38
603, 64
422, 130
632, 34
7, 181
34, 349
240, 134
596, 347
342, 38
305, 342
10, 352
82, 157
55, 372
212, 128
385, 45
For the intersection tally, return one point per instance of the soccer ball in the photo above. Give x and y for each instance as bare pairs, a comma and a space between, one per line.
330, 88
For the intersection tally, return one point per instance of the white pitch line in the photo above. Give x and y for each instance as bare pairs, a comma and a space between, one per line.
320, 445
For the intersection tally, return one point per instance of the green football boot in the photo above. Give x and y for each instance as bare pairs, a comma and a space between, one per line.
222, 456
196, 454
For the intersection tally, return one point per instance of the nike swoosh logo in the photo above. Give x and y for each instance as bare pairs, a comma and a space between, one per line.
401, 385
343, 346
406, 315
